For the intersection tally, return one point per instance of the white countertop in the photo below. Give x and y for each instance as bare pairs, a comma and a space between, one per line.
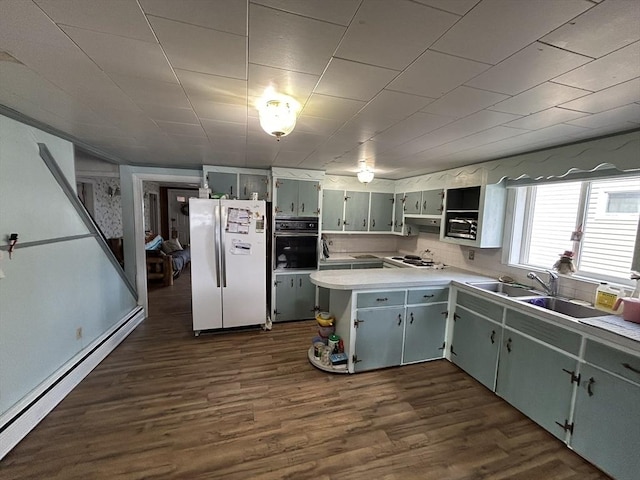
353, 257
390, 278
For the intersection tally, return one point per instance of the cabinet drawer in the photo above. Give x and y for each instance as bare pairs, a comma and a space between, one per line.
380, 299
551, 334
356, 266
478, 305
616, 361
427, 295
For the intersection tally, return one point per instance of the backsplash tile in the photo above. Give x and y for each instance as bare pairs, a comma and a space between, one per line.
361, 243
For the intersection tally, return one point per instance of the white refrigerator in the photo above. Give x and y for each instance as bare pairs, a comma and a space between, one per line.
228, 263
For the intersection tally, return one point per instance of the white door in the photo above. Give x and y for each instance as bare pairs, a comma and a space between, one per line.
206, 279
244, 245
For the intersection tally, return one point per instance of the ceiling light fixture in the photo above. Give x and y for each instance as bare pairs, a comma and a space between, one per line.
277, 114
365, 175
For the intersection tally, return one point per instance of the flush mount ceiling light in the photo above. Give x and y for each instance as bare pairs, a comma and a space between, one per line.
277, 114
365, 175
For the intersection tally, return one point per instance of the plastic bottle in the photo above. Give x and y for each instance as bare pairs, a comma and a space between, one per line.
606, 297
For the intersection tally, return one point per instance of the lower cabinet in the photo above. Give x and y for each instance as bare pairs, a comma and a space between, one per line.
295, 297
475, 346
537, 380
606, 422
424, 333
379, 338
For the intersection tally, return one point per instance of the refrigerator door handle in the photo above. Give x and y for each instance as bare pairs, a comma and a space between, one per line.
216, 242
223, 250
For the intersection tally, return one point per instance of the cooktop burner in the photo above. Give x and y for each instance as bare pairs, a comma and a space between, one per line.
418, 263
415, 261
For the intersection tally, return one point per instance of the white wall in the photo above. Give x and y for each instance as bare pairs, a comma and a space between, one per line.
60, 293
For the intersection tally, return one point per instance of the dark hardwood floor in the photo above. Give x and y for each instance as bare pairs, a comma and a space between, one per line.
248, 405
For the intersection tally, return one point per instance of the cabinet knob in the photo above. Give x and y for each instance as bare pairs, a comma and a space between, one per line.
373, 223
399, 319
292, 206
590, 386
382, 299
508, 345
303, 207
493, 336
411, 321
364, 223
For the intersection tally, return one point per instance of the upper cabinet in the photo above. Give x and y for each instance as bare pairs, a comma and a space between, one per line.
474, 216
238, 183
250, 184
298, 198
356, 211
381, 212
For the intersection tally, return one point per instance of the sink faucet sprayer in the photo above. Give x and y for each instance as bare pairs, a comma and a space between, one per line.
552, 287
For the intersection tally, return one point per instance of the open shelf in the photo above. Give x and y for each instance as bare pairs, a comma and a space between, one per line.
326, 368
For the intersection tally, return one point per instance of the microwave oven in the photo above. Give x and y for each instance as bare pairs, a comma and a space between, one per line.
458, 227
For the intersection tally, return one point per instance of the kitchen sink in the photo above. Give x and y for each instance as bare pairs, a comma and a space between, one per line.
506, 289
565, 307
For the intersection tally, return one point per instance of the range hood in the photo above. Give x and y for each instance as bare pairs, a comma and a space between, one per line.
423, 220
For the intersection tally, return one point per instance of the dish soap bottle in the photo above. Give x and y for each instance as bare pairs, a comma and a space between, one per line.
606, 297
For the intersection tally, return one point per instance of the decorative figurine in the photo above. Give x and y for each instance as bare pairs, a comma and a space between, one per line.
565, 264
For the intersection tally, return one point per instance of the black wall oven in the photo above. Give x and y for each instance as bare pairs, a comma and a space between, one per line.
296, 243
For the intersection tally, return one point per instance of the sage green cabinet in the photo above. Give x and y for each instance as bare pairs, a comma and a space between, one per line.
356, 211
537, 380
476, 345
332, 210
223, 183
606, 423
381, 212
297, 197
378, 338
412, 202
295, 297
424, 333
253, 184
398, 214
432, 202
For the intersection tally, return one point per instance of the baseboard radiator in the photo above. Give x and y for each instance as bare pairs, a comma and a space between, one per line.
23, 417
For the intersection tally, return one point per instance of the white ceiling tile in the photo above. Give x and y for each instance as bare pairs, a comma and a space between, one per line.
552, 135
295, 84
116, 17
24, 22
612, 97
495, 29
545, 118
224, 15
201, 49
186, 129
141, 91
393, 34
317, 125
333, 11
604, 28
628, 113
434, 74
220, 111
170, 114
353, 80
282, 40
476, 140
393, 106
463, 101
459, 7
614, 68
332, 107
202, 86
527, 68
539, 98
217, 128
415, 126
123, 56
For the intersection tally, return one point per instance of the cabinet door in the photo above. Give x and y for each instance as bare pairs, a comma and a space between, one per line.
253, 183
475, 346
379, 338
285, 298
287, 196
332, 210
226, 183
356, 211
534, 378
308, 198
305, 297
381, 215
605, 424
432, 201
412, 203
424, 333
398, 215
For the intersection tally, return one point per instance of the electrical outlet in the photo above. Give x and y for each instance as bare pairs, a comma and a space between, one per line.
78, 333
472, 254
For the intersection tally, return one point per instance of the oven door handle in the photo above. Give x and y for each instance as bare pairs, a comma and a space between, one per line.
296, 234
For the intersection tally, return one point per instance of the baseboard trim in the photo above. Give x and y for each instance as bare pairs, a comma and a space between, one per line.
16, 423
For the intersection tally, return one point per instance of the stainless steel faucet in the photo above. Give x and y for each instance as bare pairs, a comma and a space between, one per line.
552, 287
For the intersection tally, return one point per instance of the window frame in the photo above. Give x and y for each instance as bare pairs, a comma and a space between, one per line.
521, 198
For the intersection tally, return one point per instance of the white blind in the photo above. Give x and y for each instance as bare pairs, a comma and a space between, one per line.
552, 221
